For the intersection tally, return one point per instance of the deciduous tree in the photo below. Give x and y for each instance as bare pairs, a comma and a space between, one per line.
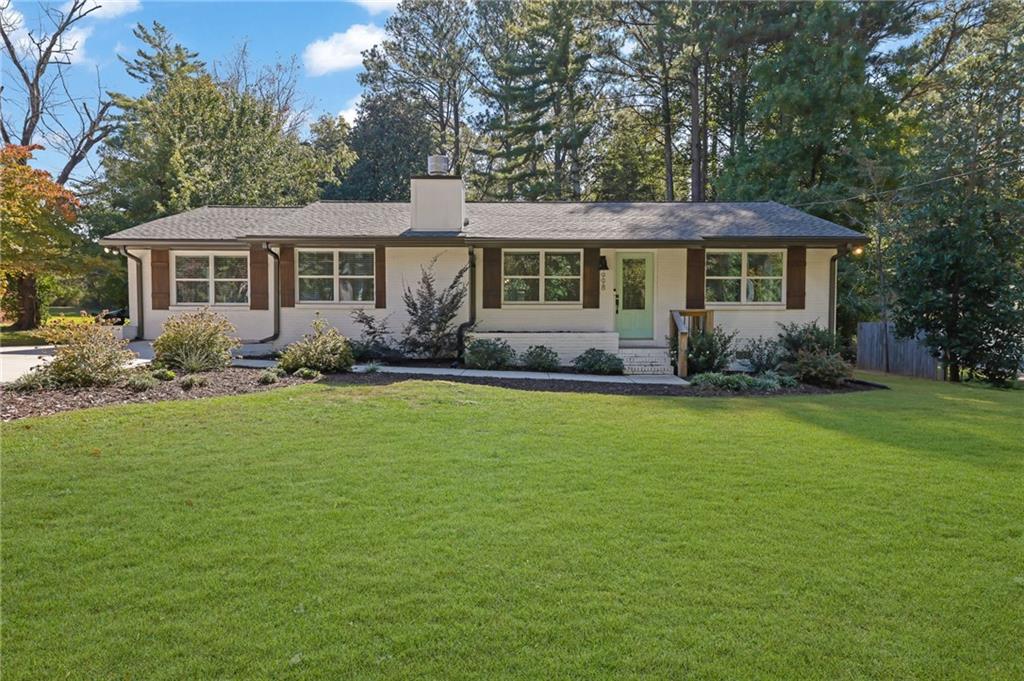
36, 239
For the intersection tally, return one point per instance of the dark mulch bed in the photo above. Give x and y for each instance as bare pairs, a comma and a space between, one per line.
592, 387
233, 381
238, 381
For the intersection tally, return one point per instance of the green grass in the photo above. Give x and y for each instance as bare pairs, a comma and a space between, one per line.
436, 530
9, 337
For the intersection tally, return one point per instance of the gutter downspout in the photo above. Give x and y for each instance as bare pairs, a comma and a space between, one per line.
140, 299
833, 286
277, 294
468, 325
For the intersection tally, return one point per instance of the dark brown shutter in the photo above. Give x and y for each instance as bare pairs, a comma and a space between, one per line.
287, 271
492, 278
380, 278
591, 277
259, 298
160, 271
796, 278
694, 278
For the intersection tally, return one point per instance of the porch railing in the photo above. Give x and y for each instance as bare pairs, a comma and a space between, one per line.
682, 323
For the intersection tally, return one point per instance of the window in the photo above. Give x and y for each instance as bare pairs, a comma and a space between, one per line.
336, 276
744, 276
541, 276
202, 279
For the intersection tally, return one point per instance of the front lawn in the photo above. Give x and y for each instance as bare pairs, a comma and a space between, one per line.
10, 337
439, 530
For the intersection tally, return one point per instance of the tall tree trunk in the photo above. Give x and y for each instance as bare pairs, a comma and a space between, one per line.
29, 314
457, 115
704, 125
696, 165
666, 129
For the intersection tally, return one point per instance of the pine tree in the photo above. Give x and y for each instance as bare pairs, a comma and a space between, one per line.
426, 57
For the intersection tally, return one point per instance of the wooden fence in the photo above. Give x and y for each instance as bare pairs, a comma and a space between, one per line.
907, 356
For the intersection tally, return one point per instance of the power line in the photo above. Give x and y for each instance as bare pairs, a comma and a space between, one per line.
866, 195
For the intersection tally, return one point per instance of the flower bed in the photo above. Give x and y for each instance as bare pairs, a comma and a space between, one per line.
232, 381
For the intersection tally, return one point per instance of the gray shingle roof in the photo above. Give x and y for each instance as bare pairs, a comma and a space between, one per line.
555, 221
209, 223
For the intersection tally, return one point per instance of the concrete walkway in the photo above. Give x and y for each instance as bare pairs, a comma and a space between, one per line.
17, 361
636, 379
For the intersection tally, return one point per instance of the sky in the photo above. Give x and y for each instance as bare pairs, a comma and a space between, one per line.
326, 36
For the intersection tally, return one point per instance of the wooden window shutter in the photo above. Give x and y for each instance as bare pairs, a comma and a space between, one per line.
160, 272
796, 278
380, 277
287, 271
492, 278
694, 278
591, 277
259, 296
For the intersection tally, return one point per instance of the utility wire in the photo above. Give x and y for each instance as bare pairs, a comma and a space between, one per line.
899, 189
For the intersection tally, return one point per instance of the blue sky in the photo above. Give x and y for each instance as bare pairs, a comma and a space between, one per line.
326, 36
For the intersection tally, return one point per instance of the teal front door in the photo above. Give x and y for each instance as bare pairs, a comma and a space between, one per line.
635, 312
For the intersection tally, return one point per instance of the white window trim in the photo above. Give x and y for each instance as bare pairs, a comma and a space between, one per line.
541, 276
209, 255
743, 302
335, 277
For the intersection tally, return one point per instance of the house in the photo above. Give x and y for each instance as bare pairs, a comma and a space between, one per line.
622, 277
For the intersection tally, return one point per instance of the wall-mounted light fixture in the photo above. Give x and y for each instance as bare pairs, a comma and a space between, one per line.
603, 264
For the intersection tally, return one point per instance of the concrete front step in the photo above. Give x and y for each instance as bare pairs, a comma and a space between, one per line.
646, 361
648, 371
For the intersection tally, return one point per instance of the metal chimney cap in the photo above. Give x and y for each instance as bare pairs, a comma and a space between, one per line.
437, 164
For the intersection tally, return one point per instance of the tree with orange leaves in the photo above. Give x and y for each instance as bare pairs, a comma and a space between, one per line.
36, 220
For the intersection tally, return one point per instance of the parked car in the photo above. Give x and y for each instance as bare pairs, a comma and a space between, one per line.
118, 316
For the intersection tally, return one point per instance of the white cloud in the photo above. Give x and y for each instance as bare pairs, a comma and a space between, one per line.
377, 6
108, 9
342, 50
73, 40
351, 109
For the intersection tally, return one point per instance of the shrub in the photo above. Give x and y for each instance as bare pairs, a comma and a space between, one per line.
195, 341
540, 358
487, 353
163, 374
794, 338
763, 354
430, 331
31, 382
594, 361
278, 371
267, 377
86, 354
784, 380
371, 368
307, 373
323, 350
709, 351
193, 381
819, 367
375, 342
140, 383
715, 379
767, 382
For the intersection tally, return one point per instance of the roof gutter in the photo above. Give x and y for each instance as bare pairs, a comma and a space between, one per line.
277, 294
140, 299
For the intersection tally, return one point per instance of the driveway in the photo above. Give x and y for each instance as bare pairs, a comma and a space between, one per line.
17, 361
